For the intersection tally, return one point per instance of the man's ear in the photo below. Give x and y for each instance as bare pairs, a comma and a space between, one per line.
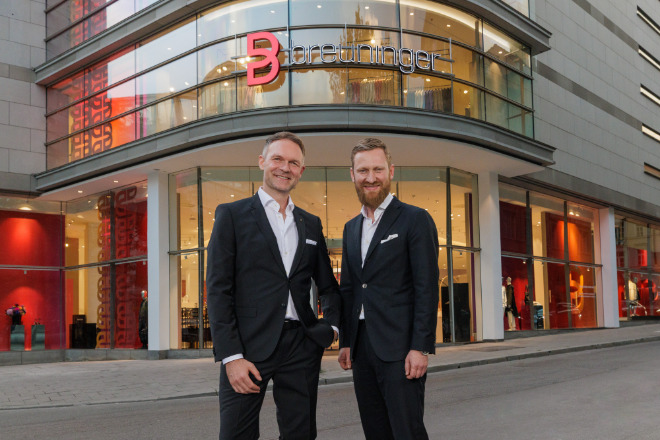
352, 175
261, 162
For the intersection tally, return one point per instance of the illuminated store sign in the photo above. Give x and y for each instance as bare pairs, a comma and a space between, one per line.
408, 60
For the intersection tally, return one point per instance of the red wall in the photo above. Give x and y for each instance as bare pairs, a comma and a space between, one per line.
29, 239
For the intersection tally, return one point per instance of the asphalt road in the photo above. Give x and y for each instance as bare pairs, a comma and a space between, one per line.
606, 394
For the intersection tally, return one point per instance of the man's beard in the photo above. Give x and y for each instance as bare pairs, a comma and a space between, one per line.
373, 200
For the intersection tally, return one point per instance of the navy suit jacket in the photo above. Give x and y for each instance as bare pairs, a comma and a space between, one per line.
248, 288
398, 284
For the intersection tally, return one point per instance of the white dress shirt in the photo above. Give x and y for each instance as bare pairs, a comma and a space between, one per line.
369, 229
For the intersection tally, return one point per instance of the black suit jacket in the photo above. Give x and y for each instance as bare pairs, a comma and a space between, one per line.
398, 284
248, 288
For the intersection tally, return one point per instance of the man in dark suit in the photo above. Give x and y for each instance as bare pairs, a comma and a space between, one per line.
389, 291
262, 257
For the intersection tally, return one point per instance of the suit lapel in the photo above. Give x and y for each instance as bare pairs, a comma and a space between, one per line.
389, 216
264, 226
300, 226
355, 241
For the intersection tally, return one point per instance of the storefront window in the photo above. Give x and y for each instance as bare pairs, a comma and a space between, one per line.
520, 309
427, 189
88, 230
131, 295
442, 20
513, 219
240, 17
462, 301
427, 92
468, 101
463, 205
564, 296
88, 307
186, 206
344, 12
273, 94
655, 248
187, 266
506, 49
547, 226
580, 233
217, 61
166, 45
635, 244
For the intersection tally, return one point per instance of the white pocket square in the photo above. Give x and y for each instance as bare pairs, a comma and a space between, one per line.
312, 242
391, 237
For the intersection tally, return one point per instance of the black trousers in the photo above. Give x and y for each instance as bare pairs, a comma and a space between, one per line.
294, 368
391, 406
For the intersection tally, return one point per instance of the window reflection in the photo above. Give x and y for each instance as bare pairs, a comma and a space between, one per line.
240, 17
166, 80
427, 92
463, 205
168, 114
217, 61
344, 12
273, 94
438, 19
217, 98
427, 189
506, 49
166, 45
371, 86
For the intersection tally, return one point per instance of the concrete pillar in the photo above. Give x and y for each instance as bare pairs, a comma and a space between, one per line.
158, 226
608, 289
490, 256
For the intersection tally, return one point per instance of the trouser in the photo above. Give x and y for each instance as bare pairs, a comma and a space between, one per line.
391, 406
294, 368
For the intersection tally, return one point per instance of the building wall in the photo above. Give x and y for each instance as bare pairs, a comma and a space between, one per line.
22, 103
588, 101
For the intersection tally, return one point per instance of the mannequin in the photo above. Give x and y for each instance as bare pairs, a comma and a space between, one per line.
143, 320
632, 290
511, 308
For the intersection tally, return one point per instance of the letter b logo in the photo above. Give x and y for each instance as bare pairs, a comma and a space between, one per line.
270, 54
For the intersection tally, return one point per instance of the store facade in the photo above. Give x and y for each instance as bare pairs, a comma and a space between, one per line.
148, 133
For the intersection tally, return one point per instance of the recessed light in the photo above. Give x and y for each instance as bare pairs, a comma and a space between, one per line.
80, 191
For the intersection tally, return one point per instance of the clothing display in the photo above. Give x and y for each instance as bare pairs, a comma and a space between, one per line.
438, 98
371, 91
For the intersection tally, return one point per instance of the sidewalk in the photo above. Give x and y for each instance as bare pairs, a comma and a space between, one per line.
91, 383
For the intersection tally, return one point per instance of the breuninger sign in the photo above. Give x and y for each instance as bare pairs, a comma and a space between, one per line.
408, 60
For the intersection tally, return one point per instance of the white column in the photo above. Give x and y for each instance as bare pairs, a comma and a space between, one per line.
608, 288
159, 269
490, 256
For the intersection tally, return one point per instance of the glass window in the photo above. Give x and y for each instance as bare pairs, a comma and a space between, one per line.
88, 307
468, 101
655, 247
344, 12
464, 295
130, 221
310, 194
217, 61
307, 86
110, 71
130, 282
513, 219
427, 92
88, 230
553, 285
38, 292
343, 203
224, 185
167, 114
65, 92
547, 226
463, 203
187, 270
582, 281
185, 205
508, 83
581, 233
217, 98
432, 46
468, 65
427, 189
635, 242
520, 310
239, 17
651, 289
371, 86
506, 49
508, 115
167, 80
166, 45
110, 103
442, 20
273, 94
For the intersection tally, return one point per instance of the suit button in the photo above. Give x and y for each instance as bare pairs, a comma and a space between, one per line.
283, 305
364, 286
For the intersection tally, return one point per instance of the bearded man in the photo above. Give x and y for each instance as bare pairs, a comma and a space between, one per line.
389, 292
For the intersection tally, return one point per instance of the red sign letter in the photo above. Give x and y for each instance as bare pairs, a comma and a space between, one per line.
270, 54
